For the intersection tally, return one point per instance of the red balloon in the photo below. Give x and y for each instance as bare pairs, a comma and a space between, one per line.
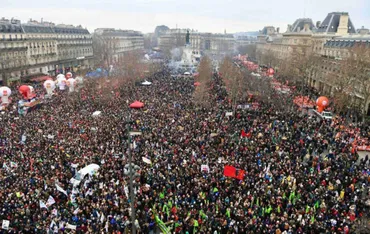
322, 102
24, 89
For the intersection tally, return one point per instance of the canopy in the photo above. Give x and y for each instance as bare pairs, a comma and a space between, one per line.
137, 105
196, 83
146, 83
41, 78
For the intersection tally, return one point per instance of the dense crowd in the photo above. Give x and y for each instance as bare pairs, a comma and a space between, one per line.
302, 175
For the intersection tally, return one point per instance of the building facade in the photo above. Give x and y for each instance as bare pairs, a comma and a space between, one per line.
42, 48
116, 43
329, 41
13, 50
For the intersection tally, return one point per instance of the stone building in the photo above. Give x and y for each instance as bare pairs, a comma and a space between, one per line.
13, 50
42, 48
74, 47
329, 41
115, 43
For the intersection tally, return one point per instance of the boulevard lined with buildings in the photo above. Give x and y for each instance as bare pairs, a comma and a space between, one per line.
44, 48
328, 43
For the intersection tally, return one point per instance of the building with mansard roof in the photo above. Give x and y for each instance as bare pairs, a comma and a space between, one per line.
331, 41
42, 48
13, 50
337, 23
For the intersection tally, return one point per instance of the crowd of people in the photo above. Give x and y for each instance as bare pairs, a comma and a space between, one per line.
302, 175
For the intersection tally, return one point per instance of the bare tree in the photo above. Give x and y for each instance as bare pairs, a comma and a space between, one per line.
233, 79
250, 50
133, 66
359, 65
104, 49
201, 94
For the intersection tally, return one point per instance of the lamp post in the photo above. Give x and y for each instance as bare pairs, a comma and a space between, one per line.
132, 195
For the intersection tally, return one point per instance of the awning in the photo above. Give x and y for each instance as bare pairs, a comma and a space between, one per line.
41, 78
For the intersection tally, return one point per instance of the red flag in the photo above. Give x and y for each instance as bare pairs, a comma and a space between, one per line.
240, 175
229, 171
243, 134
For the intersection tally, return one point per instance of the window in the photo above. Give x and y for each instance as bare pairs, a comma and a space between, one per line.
15, 36
10, 37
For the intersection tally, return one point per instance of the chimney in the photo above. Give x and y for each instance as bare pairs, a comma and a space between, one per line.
318, 23
289, 28
278, 30
343, 24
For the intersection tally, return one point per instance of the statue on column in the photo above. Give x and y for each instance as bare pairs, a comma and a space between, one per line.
187, 37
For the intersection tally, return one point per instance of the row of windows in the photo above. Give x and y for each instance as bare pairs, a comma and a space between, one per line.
43, 36
11, 37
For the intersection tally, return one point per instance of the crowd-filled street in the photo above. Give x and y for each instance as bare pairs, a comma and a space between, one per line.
301, 173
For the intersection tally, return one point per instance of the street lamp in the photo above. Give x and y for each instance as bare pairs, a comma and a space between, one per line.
135, 105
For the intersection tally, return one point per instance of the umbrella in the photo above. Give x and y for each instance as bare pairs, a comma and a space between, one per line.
196, 83
137, 105
187, 73
146, 83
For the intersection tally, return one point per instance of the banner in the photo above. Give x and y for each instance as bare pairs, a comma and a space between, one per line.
204, 168
5, 224
229, 171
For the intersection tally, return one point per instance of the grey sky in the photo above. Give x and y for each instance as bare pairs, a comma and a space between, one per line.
202, 15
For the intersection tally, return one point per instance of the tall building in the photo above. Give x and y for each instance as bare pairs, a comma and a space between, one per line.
42, 48
113, 44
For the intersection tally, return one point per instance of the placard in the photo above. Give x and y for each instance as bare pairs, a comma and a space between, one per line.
5, 224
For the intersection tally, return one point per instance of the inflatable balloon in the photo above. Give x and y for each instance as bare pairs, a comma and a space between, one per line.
60, 76
69, 75
270, 71
62, 82
5, 93
24, 90
49, 85
322, 102
71, 83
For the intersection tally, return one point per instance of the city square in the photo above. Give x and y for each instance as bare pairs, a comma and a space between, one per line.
177, 130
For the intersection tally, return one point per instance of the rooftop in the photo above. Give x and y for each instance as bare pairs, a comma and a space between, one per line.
10, 26
331, 23
303, 25
117, 32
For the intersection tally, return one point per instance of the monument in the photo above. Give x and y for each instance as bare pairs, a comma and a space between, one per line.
190, 58
187, 38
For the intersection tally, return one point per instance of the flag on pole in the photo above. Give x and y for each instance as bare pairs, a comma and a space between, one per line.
229, 171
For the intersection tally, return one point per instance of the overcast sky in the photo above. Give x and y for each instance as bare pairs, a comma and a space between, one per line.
202, 15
